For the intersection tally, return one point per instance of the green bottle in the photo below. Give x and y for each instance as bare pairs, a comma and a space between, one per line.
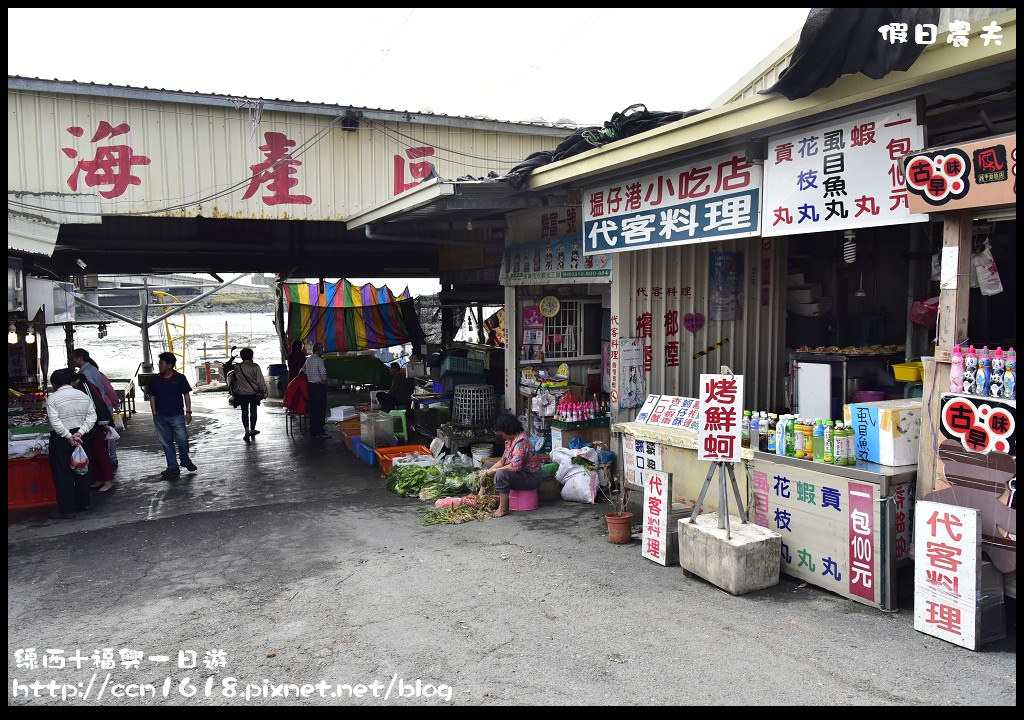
828, 455
818, 441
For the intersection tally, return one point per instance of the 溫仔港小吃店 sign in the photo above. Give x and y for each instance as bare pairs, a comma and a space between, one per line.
841, 175
714, 199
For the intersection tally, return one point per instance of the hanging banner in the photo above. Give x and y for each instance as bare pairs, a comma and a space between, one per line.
840, 175
533, 325
553, 261
720, 408
960, 177
630, 373
706, 201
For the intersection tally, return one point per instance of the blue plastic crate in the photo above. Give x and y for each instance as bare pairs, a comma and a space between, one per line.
364, 452
461, 366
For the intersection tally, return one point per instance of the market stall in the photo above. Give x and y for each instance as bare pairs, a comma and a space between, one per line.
29, 483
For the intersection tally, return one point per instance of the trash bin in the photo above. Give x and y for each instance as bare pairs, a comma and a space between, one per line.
277, 380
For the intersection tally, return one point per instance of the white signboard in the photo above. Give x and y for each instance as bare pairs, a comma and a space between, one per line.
657, 508
705, 201
843, 174
721, 408
639, 458
946, 572
647, 409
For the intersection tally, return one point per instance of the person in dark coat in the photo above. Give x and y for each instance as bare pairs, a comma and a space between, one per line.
296, 359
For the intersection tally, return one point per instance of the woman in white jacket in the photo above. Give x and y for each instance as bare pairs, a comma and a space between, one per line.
248, 387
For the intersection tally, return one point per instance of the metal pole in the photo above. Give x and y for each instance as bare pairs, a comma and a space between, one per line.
147, 354
723, 501
736, 492
227, 348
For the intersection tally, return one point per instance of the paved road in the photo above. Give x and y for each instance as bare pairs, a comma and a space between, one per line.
290, 557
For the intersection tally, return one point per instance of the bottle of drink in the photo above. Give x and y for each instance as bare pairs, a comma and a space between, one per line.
754, 433
984, 371
971, 371
798, 437
818, 441
995, 384
1010, 376
780, 435
850, 454
808, 439
762, 432
745, 429
791, 436
838, 443
956, 371
773, 422
828, 455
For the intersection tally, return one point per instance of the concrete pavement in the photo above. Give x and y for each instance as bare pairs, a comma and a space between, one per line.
288, 555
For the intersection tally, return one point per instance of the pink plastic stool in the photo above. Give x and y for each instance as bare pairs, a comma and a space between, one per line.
523, 500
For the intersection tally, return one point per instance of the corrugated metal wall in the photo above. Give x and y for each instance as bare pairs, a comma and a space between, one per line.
756, 343
199, 151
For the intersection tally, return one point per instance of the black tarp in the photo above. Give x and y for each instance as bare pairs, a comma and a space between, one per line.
840, 41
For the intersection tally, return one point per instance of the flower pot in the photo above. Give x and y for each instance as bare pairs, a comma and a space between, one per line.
620, 527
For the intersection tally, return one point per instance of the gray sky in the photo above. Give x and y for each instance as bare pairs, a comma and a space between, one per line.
508, 63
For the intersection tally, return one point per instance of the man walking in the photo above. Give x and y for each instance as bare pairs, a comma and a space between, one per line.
316, 373
172, 410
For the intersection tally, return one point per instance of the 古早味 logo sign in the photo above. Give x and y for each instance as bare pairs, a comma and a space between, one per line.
939, 177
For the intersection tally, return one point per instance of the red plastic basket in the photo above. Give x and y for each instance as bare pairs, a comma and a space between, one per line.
29, 483
386, 456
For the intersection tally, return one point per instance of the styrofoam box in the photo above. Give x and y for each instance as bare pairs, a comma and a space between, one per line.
342, 412
812, 309
422, 460
887, 432
803, 293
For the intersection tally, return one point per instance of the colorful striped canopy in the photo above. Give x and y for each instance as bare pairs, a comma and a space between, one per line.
347, 317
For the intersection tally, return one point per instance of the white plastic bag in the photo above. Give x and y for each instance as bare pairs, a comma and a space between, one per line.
79, 460
580, 485
112, 434
118, 422
987, 272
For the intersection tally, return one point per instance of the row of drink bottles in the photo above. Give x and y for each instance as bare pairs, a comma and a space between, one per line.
817, 440
579, 411
984, 373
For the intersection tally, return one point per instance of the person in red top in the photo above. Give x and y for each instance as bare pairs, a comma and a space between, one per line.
519, 467
296, 359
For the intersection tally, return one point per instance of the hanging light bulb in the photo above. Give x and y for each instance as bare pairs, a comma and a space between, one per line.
12, 335
850, 247
30, 336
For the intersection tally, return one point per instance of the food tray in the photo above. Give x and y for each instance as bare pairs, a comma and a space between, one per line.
386, 456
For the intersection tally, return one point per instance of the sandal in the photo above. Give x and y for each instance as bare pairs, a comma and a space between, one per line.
110, 489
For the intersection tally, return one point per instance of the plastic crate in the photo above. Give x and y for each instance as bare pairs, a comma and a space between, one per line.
29, 483
452, 381
461, 366
908, 372
364, 452
386, 456
350, 427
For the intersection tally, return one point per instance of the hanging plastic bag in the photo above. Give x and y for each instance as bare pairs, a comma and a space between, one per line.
987, 272
112, 434
79, 460
118, 423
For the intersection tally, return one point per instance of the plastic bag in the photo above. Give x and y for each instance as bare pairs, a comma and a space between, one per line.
580, 485
924, 312
112, 434
987, 272
118, 422
79, 460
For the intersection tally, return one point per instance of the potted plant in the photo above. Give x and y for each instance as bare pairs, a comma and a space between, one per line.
620, 522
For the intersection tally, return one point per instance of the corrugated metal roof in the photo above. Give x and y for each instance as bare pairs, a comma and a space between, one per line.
190, 97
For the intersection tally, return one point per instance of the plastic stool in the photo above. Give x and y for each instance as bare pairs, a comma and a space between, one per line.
402, 432
523, 500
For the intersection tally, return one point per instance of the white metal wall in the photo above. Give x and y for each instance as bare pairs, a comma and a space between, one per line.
198, 151
754, 348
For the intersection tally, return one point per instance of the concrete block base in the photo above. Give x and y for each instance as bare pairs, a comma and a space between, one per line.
749, 560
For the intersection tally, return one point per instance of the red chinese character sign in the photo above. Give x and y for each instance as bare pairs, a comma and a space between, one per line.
657, 514
970, 175
416, 172
946, 572
112, 164
276, 173
720, 411
841, 175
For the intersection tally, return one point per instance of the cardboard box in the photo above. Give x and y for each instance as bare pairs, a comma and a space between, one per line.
803, 293
887, 432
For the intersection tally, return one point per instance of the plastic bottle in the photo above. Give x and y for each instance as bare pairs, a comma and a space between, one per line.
828, 455
971, 371
838, 442
850, 451
818, 441
745, 429
995, 383
762, 432
780, 435
798, 437
808, 439
791, 436
773, 423
754, 431
984, 371
1010, 376
956, 371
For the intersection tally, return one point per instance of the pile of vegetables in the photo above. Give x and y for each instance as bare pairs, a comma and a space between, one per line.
441, 480
457, 510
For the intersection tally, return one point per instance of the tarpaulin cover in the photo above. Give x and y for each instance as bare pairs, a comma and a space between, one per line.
841, 41
344, 316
